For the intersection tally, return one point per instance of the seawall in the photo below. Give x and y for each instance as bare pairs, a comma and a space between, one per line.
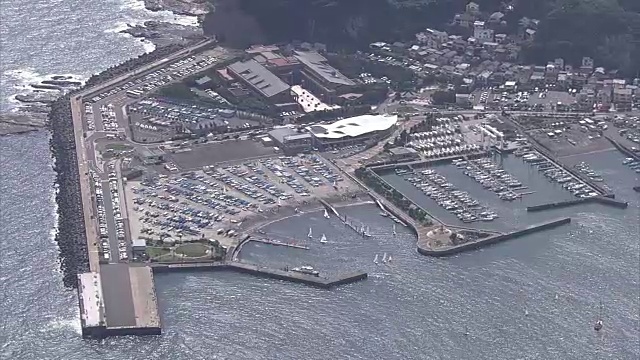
257, 270
71, 236
446, 251
604, 200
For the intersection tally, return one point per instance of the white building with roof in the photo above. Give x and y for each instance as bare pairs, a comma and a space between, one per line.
354, 130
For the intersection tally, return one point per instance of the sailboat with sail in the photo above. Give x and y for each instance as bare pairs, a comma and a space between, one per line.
366, 232
310, 234
384, 258
375, 259
389, 259
323, 239
326, 214
394, 229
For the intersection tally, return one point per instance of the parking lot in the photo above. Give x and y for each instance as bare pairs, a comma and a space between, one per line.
113, 240
199, 155
214, 201
541, 100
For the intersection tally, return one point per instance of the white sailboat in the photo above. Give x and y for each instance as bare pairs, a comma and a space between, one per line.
366, 232
466, 330
323, 239
384, 258
394, 229
326, 214
375, 259
389, 259
310, 234
362, 229
279, 202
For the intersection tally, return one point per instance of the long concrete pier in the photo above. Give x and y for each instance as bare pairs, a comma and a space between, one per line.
425, 249
258, 270
604, 200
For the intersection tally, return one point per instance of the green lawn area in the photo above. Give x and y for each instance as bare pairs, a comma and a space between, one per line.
192, 250
154, 252
118, 147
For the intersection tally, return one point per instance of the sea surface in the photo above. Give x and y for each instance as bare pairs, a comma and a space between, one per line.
415, 307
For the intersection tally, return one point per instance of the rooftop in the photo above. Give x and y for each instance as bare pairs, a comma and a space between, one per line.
353, 127
318, 64
261, 79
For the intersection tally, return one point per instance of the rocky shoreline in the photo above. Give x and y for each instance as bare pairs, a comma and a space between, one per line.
179, 7
167, 37
71, 236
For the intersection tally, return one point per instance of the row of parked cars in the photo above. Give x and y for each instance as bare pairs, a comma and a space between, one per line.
102, 217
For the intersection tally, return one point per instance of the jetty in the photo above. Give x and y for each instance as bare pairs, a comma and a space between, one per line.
604, 200
280, 243
426, 247
263, 271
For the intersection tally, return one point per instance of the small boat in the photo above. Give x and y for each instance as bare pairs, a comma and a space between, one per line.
384, 258
310, 234
323, 239
384, 214
308, 270
599, 324
389, 259
326, 214
394, 229
375, 259
366, 232
466, 330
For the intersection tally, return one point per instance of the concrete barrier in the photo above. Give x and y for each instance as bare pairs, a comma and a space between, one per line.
446, 251
603, 199
253, 269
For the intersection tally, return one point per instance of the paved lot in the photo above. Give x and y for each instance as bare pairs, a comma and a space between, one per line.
209, 154
118, 298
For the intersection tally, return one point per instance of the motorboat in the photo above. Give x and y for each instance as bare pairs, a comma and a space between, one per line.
308, 270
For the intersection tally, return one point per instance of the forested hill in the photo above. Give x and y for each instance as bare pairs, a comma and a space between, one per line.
608, 30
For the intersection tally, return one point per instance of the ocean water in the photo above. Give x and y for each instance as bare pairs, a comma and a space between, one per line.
414, 308
67, 37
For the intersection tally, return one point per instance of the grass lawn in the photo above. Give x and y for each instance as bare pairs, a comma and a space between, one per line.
192, 250
118, 147
154, 252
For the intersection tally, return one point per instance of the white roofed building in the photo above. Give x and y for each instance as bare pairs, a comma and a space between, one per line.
354, 130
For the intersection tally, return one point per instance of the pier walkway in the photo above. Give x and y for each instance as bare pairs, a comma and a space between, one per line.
258, 270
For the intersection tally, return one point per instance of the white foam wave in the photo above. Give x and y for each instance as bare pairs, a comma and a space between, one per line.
54, 206
65, 324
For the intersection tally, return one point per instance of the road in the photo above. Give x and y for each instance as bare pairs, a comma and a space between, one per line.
85, 150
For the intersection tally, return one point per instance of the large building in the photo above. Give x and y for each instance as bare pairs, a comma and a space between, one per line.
321, 78
261, 80
290, 141
351, 131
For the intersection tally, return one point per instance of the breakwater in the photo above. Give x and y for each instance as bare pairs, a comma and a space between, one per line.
425, 249
623, 149
71, 236
257, 270
604, 200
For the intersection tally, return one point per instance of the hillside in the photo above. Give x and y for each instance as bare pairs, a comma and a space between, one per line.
608, 30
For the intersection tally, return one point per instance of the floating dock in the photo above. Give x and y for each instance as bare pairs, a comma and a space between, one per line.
280, 243
120, 300
472, 245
